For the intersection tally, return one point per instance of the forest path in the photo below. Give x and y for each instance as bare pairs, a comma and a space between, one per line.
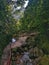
6, 57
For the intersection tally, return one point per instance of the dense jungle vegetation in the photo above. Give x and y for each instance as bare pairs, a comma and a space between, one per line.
36, 18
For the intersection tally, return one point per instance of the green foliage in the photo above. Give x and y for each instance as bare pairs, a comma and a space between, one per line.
44, 60
7, 25
36, 18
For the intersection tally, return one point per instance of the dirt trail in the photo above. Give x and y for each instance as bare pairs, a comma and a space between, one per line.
6, 57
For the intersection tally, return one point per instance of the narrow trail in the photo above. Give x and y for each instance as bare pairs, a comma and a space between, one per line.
6, 57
